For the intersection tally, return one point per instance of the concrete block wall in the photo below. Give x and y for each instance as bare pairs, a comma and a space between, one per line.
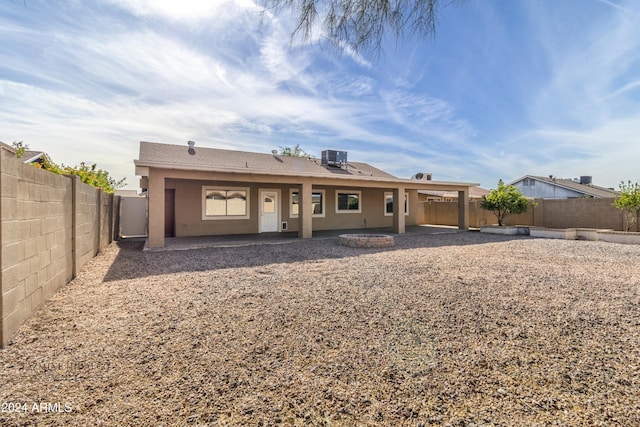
557, 213
582, 213
86, 233
442, 213
107, 219
45, 237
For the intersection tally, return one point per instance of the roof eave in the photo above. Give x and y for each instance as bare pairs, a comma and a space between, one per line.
33, 158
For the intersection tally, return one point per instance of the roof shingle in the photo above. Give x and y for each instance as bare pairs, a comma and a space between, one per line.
230, 160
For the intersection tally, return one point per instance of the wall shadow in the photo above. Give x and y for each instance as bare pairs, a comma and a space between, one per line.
133, 262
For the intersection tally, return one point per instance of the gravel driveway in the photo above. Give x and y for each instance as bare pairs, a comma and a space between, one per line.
461, 329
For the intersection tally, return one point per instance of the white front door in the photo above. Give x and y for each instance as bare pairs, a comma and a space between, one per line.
269, 211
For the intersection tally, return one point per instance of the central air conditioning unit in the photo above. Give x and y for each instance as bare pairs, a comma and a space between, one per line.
334, 158
586, 179
422, 176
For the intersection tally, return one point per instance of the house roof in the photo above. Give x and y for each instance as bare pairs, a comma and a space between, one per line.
30, 156
587, 189
180, 157
474, 193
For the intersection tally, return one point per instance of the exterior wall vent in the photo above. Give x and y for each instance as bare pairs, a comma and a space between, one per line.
334, 158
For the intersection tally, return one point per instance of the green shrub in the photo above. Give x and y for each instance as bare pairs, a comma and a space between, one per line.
503, 201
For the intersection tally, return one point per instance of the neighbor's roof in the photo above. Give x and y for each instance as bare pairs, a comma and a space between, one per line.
167, 156
474, 193
587, 189
30, 156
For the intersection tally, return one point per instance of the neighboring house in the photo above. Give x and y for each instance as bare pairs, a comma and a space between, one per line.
31, 156
550, 187
195, 191
475, 194
127, 193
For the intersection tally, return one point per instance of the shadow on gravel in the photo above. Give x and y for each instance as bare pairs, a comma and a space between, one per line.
132, 262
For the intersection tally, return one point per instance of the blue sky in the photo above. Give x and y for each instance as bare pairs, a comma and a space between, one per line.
505, 89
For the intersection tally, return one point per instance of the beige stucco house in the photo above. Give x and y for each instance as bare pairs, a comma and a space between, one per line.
196, 191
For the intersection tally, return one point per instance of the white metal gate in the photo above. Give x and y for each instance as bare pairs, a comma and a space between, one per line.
133, 216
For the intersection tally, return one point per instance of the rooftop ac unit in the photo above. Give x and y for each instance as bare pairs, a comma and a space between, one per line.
334, 158
585, 180
422, 176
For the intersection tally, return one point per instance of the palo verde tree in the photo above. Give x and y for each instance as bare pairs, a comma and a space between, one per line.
294, 152
629, 202
362, 24
503, 201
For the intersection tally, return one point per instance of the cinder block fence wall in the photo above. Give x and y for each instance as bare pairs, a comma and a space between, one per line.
557, 213
51, 226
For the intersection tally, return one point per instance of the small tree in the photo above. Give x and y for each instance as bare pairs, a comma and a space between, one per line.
20, 147
629, 202
503, 201
294, 152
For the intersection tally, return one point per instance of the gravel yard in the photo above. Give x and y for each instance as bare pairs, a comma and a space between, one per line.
461, 329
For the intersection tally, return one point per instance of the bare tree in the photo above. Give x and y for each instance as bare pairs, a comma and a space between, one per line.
363, 24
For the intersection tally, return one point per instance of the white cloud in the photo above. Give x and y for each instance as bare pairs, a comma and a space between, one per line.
219, 74
189, 10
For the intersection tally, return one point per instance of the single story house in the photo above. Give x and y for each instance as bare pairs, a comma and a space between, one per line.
543, 187
194, 191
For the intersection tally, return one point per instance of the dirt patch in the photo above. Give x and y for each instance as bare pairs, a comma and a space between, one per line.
460, 329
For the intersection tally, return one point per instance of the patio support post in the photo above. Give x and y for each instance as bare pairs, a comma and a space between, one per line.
463, 209
156, 209
398, 210
305, 209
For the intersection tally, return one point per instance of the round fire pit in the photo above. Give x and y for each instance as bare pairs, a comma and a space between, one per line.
366, 240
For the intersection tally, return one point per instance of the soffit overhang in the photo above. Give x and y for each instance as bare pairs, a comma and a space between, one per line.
169, 170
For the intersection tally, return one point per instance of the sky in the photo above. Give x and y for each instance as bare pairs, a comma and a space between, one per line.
504, 88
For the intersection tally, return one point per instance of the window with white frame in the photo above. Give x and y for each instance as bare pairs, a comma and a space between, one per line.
225, 203
388, 204
348, 201
317, 201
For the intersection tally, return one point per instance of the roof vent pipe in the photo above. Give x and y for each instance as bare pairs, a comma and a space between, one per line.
274, 152
191, 150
